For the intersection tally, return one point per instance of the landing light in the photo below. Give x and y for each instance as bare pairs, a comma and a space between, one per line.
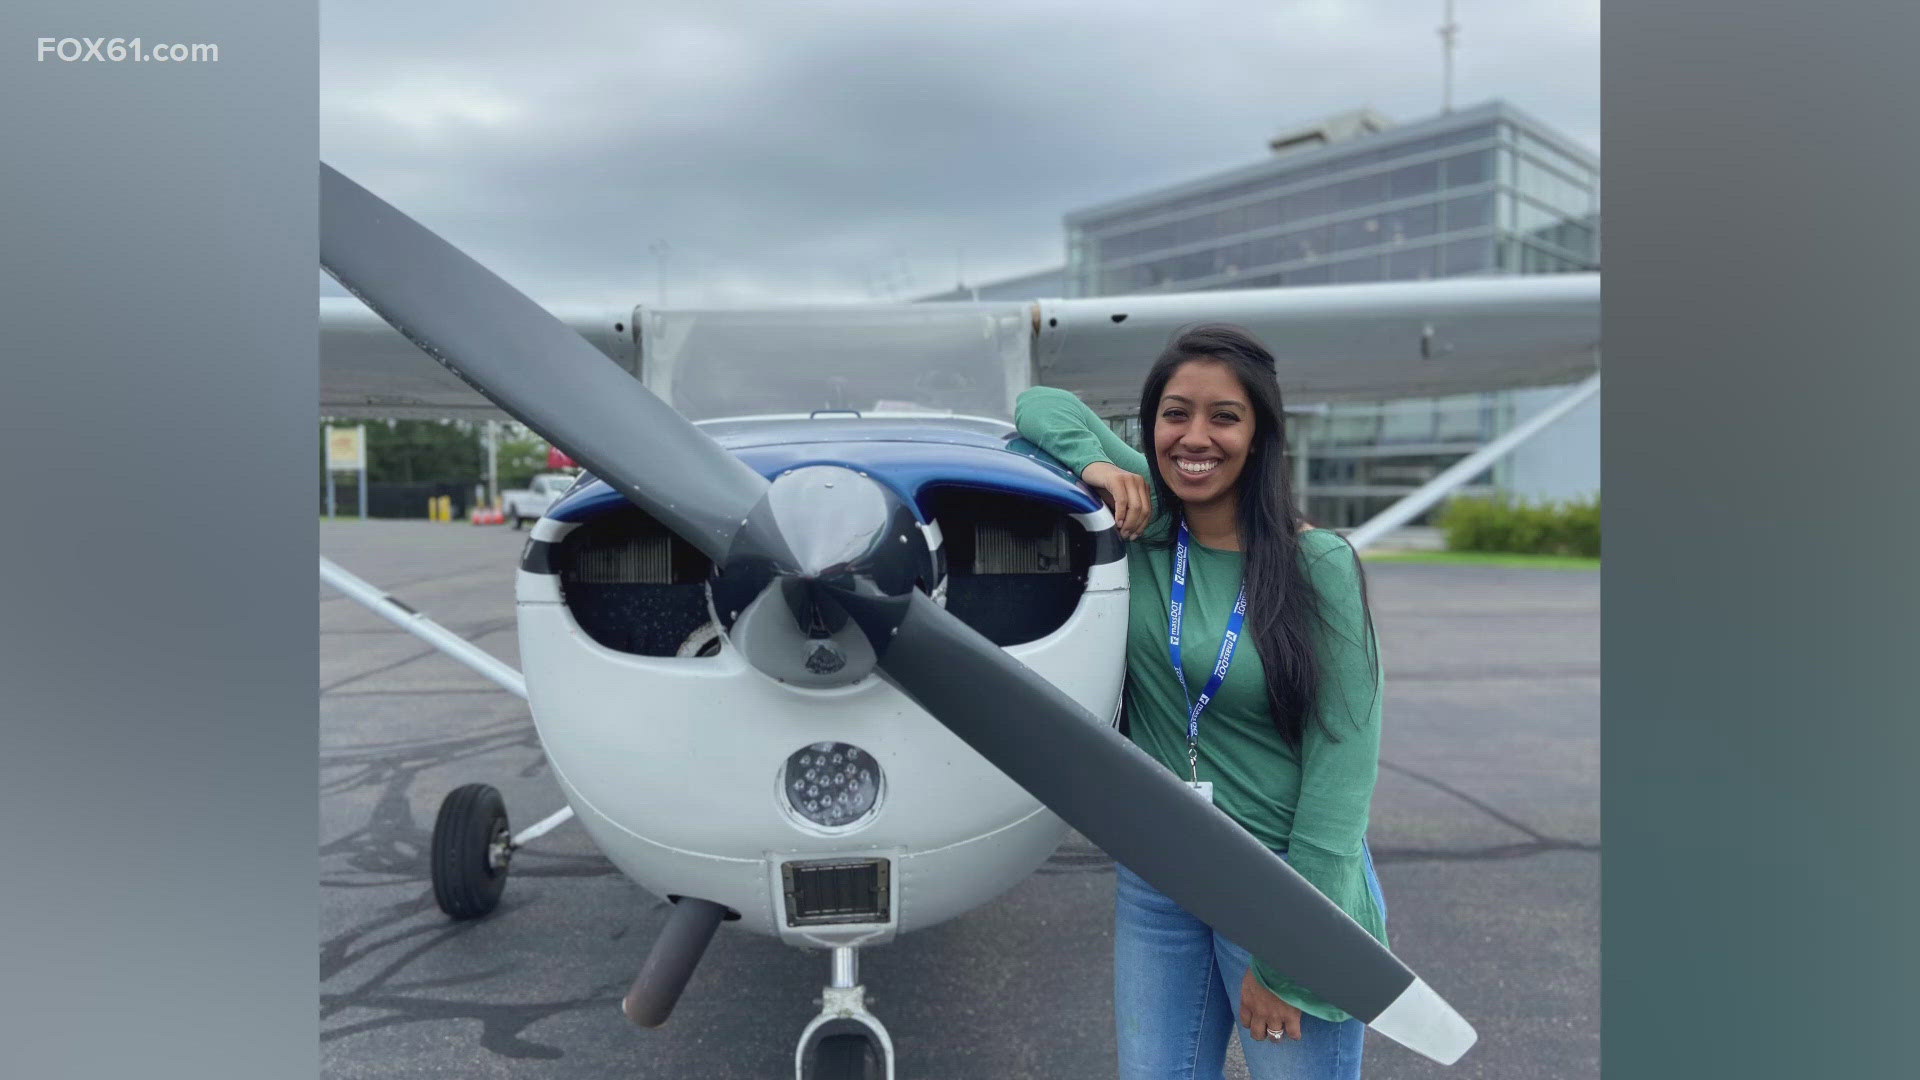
831, 784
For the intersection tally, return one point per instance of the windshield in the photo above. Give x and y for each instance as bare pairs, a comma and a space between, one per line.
969, 359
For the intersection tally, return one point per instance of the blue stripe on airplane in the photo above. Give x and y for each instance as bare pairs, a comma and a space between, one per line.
908, 462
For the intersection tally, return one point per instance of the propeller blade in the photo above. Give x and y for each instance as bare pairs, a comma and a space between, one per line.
1144, 816
533, 366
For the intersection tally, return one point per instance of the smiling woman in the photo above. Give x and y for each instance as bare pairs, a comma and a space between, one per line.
1201, 437
1282, 737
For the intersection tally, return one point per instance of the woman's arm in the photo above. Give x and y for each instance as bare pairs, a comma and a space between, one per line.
1063, 426
1340, 750
1339, 758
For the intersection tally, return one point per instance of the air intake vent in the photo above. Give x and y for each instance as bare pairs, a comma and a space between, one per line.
835, 891
634, 587
644, 560
1000, 550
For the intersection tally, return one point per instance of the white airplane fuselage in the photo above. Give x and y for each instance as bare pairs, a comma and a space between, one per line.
677, 764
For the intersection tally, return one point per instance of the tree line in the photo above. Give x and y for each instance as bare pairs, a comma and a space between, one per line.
416, 451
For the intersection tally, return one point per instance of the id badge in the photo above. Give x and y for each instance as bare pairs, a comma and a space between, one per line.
1202, 788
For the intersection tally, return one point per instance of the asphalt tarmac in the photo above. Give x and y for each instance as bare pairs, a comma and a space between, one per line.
1486, 834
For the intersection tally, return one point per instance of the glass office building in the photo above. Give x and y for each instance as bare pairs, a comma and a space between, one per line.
1486, 190
1041, 284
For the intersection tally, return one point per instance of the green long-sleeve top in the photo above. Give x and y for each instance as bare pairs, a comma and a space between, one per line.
1312, 803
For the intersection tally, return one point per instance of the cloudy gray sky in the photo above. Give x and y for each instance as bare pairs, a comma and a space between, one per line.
858, 149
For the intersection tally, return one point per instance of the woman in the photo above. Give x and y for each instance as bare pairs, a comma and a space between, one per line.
1288, 743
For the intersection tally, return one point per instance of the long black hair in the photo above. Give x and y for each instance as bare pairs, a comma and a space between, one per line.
1283, 607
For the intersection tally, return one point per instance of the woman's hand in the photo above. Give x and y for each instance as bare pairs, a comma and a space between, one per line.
1124, 493
1261, 1012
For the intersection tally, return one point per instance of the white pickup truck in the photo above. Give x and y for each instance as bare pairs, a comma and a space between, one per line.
523, 505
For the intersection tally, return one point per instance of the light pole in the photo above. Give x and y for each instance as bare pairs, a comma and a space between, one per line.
490, 435
661, 249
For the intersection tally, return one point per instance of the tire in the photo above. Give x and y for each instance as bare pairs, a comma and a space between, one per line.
466, 883
513, 515
846, 1057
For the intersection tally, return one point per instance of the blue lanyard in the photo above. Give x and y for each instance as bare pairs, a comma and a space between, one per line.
1176, 602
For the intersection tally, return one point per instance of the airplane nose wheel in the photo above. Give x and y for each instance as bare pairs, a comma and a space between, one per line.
846, 1056
845, 1042
471, 849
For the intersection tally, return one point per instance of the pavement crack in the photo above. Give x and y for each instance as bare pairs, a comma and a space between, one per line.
1539, 840
1492, 853
390, 847
501, 1025
430, 691
469, 633
1544, 672
490, 566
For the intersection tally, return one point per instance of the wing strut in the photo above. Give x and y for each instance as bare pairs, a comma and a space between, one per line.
425, 629
1456, 475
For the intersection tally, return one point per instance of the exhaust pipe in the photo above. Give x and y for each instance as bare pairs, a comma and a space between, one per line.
676, 952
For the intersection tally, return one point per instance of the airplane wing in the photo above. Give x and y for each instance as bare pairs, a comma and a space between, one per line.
1340, 342
1332, 342
368, 370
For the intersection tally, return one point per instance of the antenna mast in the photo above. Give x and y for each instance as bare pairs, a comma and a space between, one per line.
1447, 31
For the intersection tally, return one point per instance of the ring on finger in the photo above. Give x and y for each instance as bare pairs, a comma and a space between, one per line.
1272, 1034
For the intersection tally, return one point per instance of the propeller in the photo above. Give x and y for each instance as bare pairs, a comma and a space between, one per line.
820, 582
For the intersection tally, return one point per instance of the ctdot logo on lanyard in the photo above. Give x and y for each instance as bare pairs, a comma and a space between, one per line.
1177, 600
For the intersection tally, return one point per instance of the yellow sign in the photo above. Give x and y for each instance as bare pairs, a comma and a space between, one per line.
346, 449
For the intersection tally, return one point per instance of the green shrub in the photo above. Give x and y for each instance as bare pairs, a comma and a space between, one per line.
1517, 526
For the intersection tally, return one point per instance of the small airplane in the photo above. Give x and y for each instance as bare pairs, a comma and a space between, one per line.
817, 645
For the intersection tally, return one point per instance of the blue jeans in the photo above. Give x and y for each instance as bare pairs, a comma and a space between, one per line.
1176, 999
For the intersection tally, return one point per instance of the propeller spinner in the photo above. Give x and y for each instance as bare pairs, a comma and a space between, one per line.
819, 574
